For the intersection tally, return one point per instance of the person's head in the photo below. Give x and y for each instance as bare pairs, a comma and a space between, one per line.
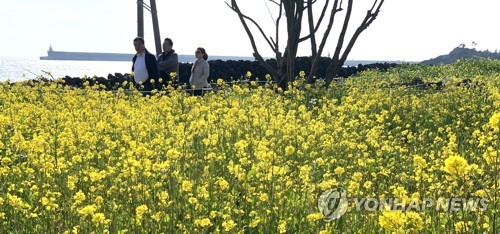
139, 45
201, 53
167, 45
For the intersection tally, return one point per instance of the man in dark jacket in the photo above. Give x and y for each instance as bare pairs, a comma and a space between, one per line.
144, 66
168, 62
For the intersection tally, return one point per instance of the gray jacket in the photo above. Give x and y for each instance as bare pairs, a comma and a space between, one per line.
199, 74
168, 63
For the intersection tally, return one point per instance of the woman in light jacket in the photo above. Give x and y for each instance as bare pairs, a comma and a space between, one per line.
200, 72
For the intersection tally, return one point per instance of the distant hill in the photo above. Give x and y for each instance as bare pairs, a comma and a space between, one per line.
461, 53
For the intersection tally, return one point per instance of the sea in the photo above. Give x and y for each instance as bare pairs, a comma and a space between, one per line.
17, 69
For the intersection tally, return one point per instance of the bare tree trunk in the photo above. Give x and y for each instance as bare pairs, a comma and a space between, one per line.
317, 56
337, 61
293, 11
256, 54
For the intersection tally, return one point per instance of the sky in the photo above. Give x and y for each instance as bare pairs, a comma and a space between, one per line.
405, 30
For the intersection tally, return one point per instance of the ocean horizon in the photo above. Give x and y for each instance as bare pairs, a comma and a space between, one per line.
18, 69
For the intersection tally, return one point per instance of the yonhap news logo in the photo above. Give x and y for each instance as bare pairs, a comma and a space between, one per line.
333, 203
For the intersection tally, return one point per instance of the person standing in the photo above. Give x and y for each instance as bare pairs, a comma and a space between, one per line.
168, 62
200, 72
144, 66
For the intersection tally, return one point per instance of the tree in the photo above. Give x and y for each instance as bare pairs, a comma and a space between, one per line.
474, 44
294, 11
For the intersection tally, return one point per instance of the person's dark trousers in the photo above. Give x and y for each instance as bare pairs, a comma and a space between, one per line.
197, 92
164, 83
148, 87
145, 88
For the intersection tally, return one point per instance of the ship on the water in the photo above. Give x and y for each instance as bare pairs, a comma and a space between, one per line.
85, 56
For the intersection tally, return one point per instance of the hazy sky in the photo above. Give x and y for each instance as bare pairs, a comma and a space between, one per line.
408, 30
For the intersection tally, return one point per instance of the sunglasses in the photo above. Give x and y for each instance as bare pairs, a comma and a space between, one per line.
198, 52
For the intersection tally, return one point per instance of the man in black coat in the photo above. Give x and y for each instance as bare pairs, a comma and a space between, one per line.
144, 66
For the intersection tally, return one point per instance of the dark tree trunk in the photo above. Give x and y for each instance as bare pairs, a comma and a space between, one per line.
284, 73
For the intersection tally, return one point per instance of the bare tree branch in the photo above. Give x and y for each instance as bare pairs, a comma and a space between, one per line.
278, 20
274, 2
335, 8
235, 8
369, 18
318, 23
293, 12
270, 14
312, 35
310, 4
337, 62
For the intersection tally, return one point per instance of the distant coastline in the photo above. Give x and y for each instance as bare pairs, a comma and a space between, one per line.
25, 68
99, 56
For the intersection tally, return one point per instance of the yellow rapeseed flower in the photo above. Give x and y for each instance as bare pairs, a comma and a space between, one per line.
6, 160
304, 173
173, 154
339, 170
193, 200
228, 225
263, 197
462, 227
92, 153
282, 226
99, 218
413, 221
456, 166
187, 186
254, 222
15, 201
392, 221
420, 162
223, 184
495, 121
220, 81
289, 150
400, 193
99, 200
79, 197
139, 212
490, 155
357, 176
205, 222
87, 210
314, 217
72, 180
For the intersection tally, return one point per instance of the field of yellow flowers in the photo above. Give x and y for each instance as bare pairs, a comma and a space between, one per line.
248, 159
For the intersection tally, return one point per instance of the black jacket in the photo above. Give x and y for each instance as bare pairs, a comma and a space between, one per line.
151, 65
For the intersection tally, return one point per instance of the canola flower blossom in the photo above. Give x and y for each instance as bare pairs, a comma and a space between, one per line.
495, 121
250, 158
456, 166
